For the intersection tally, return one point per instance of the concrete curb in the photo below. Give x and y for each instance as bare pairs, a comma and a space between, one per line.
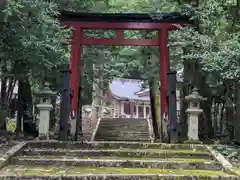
227, 166
95, 130
11, 153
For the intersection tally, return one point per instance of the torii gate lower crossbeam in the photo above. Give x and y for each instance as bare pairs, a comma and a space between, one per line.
120, 22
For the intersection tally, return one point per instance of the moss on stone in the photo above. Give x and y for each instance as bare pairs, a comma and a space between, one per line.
236, 171
186, 160
113, 145
190, 141
183, 151
111, 158
121, 150
73, 170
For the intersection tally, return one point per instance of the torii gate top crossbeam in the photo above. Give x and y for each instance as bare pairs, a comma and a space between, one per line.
127, 21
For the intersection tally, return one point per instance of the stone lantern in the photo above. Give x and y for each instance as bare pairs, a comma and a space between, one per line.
44, 106
194, 111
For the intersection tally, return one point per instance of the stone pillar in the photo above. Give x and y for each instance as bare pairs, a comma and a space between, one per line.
193, 123
136, 110
43, 127
131, 108
194, 111
122, 108
113, 109
119, 113
144, 110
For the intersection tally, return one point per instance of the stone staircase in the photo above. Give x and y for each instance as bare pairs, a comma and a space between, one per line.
113, 161
120, 129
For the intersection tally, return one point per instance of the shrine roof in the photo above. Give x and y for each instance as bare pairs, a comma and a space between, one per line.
131, 89
127, 89
124, 17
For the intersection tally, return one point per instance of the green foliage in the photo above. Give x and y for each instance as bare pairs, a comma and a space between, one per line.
32, 39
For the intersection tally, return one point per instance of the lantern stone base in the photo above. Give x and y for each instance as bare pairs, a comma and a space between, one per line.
191, 141
193, 123
44, 119
73, 123
43, 137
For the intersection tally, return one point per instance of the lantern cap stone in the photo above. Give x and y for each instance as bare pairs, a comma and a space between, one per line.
195, 96
46, 91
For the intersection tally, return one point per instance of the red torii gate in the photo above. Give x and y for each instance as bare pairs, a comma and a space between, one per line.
120, 22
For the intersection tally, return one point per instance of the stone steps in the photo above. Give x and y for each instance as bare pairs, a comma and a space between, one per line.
123, 129
123, 163
113, 160
112, 136
153, 153
114, 145
140, 123
73, 173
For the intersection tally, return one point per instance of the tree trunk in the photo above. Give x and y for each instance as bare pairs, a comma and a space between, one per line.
3, 4
19, 108
153, 109
205, 119
221, 119
79, 128
3, 98
53, 113
216, 112
229, 113
237, 115
25, 106
184, 91
229, 123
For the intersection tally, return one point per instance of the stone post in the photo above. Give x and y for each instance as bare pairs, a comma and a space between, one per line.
65, 106
44, 107
172, 107
194, 111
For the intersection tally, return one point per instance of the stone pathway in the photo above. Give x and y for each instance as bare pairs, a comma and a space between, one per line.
113, 161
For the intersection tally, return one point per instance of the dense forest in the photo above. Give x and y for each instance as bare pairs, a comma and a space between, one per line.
33, 50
